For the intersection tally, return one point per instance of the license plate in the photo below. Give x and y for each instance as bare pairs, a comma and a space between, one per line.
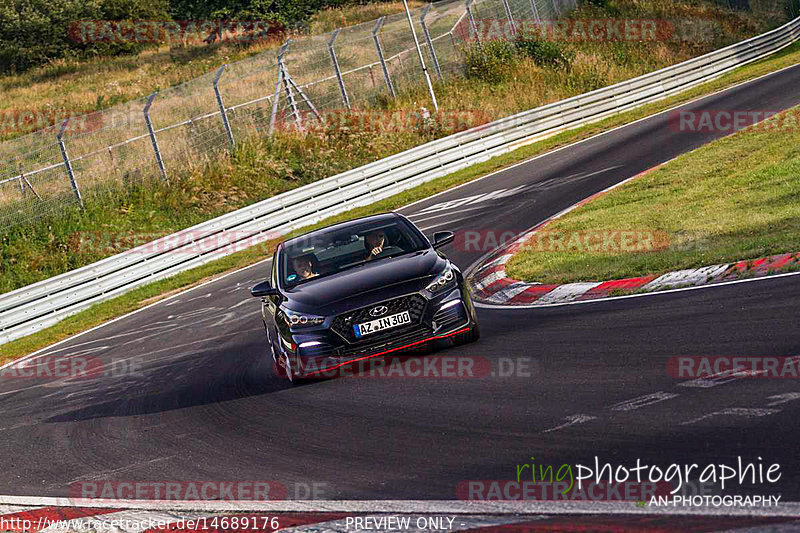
380, 324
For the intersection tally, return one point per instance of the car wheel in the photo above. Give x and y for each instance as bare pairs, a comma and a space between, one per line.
279, 371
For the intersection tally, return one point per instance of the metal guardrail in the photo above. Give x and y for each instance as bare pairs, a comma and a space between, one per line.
37, 306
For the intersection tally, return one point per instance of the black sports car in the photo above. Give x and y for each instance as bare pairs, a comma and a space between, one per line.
361, 289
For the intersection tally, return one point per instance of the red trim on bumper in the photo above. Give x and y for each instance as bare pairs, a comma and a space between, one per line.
462, 330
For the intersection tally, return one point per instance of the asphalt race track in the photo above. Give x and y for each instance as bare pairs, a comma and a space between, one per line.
192, 396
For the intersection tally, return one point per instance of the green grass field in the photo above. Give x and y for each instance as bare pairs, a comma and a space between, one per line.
736, 198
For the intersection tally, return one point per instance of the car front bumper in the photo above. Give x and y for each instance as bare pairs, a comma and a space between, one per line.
321, 353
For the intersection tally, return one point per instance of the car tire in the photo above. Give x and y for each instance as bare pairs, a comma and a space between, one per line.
279, 371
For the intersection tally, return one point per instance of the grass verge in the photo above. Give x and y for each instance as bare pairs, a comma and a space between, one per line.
736, 198
140, 297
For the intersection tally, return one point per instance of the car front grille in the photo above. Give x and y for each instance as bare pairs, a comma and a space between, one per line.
413, 303
397, 340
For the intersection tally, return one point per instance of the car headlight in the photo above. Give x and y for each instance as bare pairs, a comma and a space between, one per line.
445, 279
294, 319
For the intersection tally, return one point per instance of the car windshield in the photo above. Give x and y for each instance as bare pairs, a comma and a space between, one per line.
328, 252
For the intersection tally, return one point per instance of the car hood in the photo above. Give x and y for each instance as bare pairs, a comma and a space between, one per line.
366, 284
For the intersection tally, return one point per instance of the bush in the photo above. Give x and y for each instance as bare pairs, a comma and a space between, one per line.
545, 53
491, 61
35, 31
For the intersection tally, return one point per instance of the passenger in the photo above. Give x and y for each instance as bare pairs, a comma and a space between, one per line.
303, 265
374, 242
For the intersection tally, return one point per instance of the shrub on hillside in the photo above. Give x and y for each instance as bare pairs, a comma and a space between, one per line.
545, 53
489, 62
35, 31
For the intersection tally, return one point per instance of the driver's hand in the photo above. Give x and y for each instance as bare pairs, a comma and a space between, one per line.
377, 250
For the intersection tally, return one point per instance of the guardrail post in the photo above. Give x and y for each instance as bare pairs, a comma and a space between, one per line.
67, 163
276, 96
221, 105
472, 24
431, 50
337, 70
152, 133
379, 48
510, 17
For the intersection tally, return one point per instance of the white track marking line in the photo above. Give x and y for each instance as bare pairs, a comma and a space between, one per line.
571, 421
449, 213
12, 509
747, 412
643, 401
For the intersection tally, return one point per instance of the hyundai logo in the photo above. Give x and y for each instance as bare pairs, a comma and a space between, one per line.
378, 311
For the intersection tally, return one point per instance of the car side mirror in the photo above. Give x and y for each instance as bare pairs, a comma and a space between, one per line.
263, 289
440, 238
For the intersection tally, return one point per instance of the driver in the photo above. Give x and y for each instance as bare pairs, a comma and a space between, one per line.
374, 242
303, 265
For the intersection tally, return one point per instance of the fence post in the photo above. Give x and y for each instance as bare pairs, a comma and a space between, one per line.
292, 102
535, 12
379, 48
555, 8
337, 70
510, 17
472, 23
428, 40
67, 163
221, 105
278, 85
152, 134
421, 59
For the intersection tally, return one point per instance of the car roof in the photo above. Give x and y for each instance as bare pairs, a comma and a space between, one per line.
345, 225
